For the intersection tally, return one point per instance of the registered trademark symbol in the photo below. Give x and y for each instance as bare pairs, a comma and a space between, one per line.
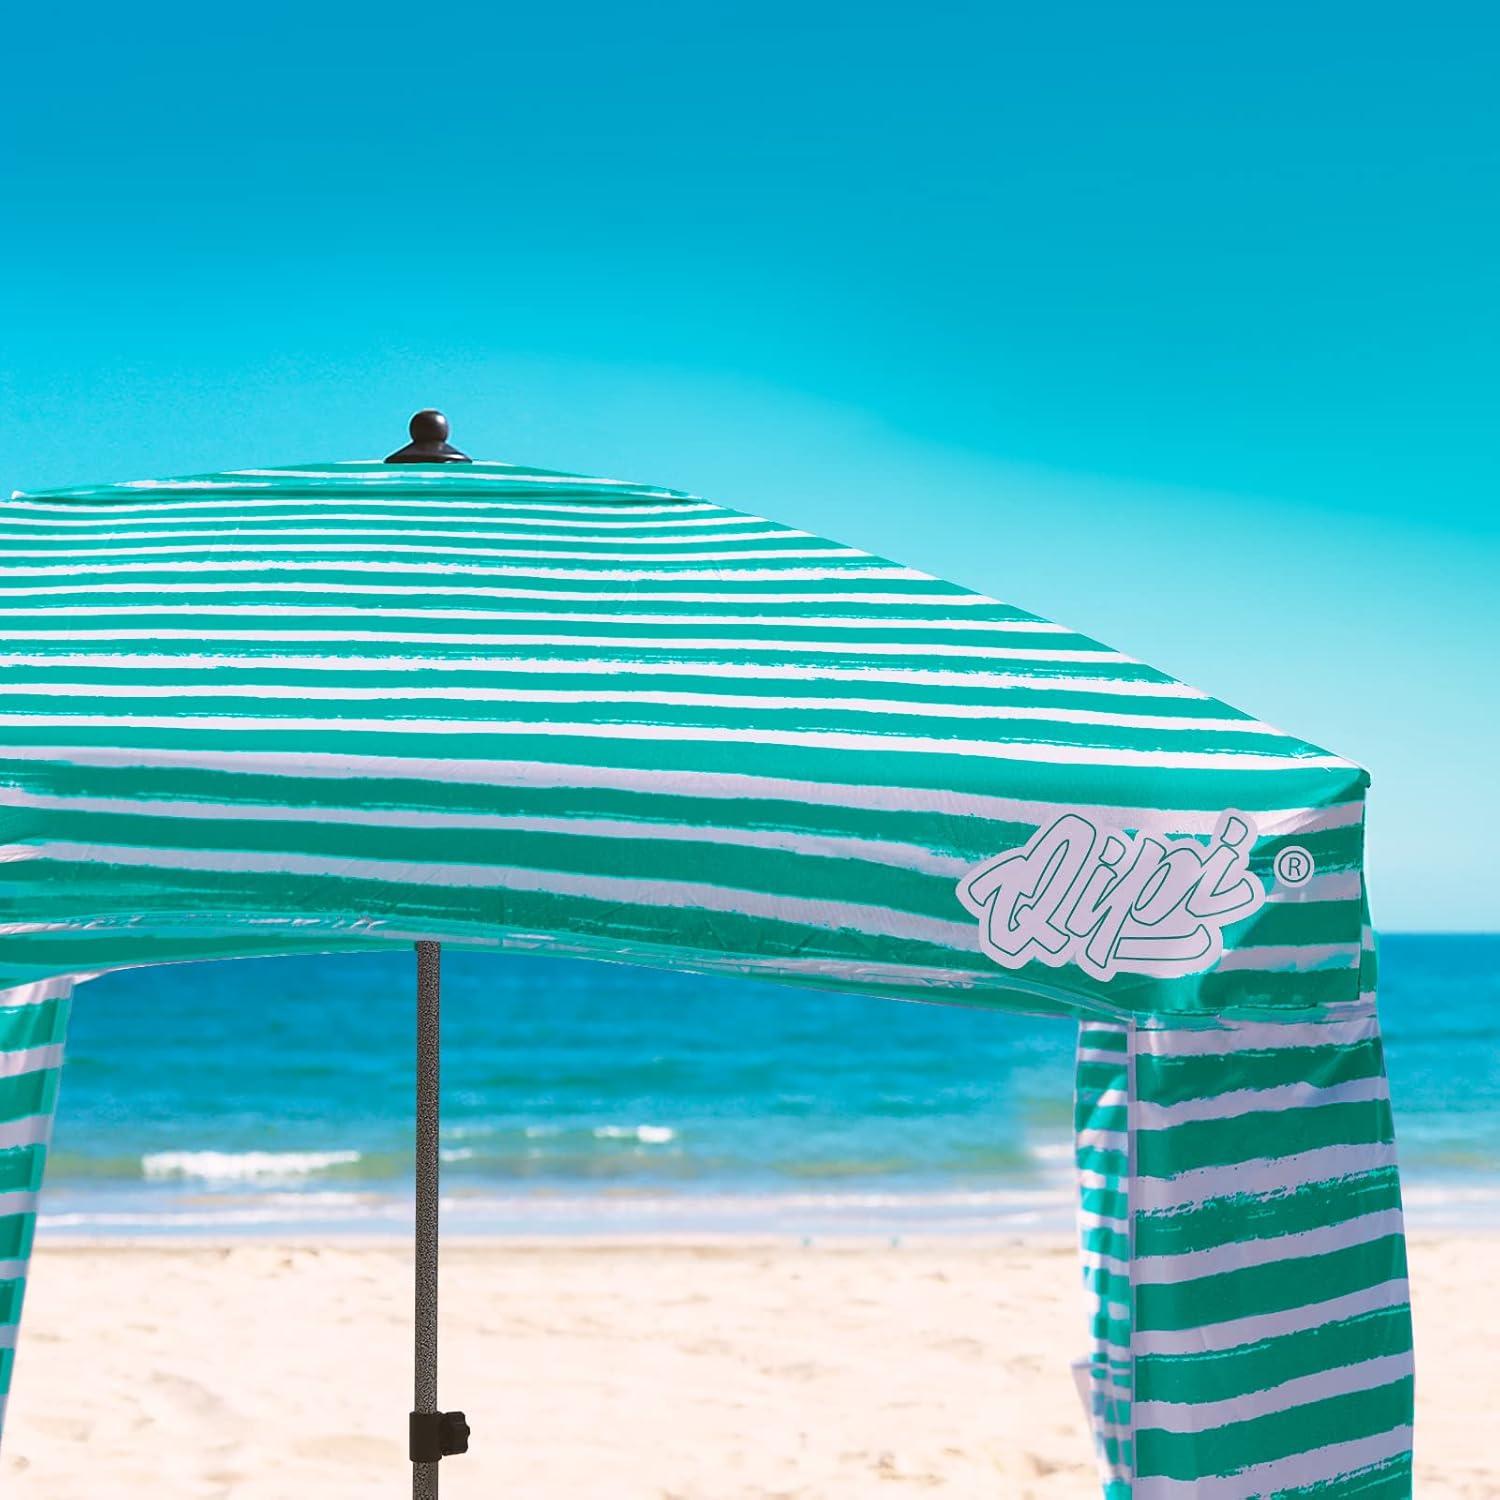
1294, 866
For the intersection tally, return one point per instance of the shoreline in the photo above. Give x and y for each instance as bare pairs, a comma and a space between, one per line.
73, 1243
1469, 1207
484, 1244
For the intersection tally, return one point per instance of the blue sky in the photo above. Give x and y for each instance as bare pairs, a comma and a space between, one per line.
1178, 323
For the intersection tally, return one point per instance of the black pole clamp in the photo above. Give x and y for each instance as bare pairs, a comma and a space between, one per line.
437, 1434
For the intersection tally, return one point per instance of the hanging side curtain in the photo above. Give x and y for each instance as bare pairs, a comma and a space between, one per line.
1244, 1258
33, 1029
1101, 1114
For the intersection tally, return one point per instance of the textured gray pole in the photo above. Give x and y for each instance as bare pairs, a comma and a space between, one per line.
424, 1477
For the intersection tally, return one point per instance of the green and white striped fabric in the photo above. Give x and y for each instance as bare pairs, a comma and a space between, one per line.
1244, 1259
33, 1025
1101, 1124
349, 705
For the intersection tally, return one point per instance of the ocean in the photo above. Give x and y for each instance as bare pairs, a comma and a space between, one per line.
275, 1096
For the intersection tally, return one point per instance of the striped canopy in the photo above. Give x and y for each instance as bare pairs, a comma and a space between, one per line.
350, 705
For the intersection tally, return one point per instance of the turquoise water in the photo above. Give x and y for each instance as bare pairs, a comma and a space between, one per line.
268, 1095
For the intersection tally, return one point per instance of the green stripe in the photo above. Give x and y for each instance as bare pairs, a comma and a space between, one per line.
33, 1093
1228, 1449
1174, 1080
1252, 1291
1240, 1217
16, 1232
21, 1168
1260, 1133
1391, 1480
41, 1024
1264, 1363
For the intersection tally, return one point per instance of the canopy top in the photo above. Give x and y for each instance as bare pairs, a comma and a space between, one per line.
340, 704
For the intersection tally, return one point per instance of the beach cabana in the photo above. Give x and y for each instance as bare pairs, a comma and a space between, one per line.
356, 705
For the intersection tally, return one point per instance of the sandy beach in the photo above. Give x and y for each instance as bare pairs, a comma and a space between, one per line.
661, 1371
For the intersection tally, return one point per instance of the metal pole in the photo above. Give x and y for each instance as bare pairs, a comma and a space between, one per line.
424, 1476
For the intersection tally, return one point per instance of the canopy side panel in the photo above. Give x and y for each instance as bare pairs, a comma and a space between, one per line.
1271, 1326
33, 1028
1100, 1114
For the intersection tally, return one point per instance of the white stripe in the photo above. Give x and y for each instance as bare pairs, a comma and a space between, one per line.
907, 977
276, 533
464, 570
1050, 754
1172, 1270
269, 553
828, 846
626, 891
12, 1270
341, 593
1232, 1333
1297, 957
1255, 1036
1334, 1461
1339, 886
682, 619
1267, 1174
30, 1130
37, 991
301, 765
975, 680
204, 636
1110, 1098
779, 703
609, 504
1347, 814
1175, 1416
22, 1201
1102, 1140
599, 518
30, 1060
1236, 1102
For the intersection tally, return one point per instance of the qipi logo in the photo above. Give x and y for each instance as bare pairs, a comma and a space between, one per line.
1114, 903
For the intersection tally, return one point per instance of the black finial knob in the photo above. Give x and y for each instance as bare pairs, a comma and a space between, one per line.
429, 442
428, 426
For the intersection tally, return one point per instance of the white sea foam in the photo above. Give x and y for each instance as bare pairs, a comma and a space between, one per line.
330, 1211
241, 1166
798, 1213
646, 1135
1451, 1205
1051, 1153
